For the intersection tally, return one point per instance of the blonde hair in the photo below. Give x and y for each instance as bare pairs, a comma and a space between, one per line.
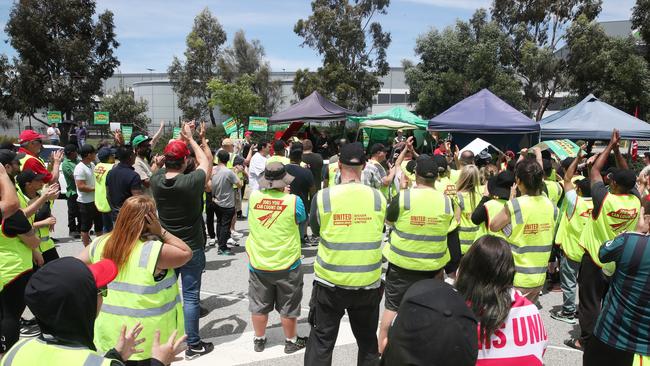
469, 182
128, 229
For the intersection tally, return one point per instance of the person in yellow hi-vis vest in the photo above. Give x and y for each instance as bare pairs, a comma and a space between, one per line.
424, 239
616, 210
622, 332
349, 218
444, 183
553, 189
106, 158
331, 174
532, 219
495, 195
574, 218
467, 198
279, 153
273, 248
145, 291
65, 297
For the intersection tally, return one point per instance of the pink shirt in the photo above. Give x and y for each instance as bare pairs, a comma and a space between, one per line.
521, 340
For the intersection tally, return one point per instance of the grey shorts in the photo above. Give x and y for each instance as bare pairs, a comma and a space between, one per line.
398, 280
279, 290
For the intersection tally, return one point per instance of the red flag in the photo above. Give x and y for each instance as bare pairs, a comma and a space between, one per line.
635, 149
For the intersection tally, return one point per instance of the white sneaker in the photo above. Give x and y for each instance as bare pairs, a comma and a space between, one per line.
232, 241
212, 242
236, 234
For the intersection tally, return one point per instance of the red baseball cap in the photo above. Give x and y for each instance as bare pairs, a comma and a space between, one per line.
104, 272
176, 150
248, 133
30, 135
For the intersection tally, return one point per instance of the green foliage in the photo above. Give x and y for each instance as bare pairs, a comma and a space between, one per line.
190, 79
460, 61
610, 68
125, 109
535, 30
64, 52
247, 58
641, 21
353, 48
236, 99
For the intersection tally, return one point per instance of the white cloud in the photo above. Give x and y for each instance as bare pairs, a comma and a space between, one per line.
616, 10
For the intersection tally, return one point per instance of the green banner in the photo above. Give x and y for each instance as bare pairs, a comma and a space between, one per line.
260, 124
562, 148
102, 118
238, 134
127, 131
177, 133
53, 117
230, 125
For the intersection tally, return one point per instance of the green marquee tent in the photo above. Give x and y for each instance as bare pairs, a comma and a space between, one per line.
398, 114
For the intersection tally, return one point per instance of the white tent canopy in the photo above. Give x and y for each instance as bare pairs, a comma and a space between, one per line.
387, 124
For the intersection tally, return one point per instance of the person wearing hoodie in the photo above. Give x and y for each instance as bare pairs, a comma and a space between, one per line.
65, 297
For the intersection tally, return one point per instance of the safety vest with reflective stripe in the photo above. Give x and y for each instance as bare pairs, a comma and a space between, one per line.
573, 226
332, 170
134, 296
492, 208
273, 243
23, 200
24, 159
467, 230
618, 214
533, 225
101, 199
43, 234
640, 360
277, 158
554, 190
418, 240
445, 185
454, 175
35, 351
351, 230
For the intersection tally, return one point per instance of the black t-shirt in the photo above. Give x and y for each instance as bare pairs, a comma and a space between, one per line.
16, 224
315, 162
302, 182
119, 183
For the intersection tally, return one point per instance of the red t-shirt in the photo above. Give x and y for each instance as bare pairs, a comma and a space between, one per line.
35, 165
521, 340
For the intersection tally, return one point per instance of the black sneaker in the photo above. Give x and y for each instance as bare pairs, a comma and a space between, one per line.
291, 347
259, 344
225, 252
563, 317
198, 350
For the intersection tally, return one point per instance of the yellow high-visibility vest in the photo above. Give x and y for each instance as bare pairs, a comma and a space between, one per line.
35, 351
101, 199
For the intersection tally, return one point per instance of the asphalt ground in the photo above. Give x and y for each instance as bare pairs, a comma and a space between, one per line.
228, 326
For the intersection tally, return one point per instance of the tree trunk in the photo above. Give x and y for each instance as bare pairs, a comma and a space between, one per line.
212, 119
40, 120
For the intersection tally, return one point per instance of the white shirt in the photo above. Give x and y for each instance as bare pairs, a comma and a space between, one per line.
255, 170
85, 173
53, 133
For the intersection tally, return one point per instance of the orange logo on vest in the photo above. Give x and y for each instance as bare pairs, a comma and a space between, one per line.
275, 206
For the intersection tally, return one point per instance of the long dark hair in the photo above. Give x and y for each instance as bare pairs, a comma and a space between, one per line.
531, 175
485, 280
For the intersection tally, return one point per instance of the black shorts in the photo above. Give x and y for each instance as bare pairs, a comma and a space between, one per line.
89, 216
398, 281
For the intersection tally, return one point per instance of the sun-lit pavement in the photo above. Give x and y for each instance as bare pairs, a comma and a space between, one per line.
228, 326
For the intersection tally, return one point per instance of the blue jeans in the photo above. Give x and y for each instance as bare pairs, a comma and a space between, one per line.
107, 219
302, 228
568, 283
190, 275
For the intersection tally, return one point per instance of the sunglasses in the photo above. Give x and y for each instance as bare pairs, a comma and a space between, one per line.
102, 291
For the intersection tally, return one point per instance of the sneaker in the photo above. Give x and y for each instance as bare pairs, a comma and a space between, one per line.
291, 347
236, 234
212, 242
232, 242
259, 344
198, 350
227, 252
563, 317
30, 331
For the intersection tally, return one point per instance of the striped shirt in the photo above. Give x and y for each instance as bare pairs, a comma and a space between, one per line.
624, 322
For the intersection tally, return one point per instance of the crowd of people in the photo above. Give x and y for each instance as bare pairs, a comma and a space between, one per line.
458, 245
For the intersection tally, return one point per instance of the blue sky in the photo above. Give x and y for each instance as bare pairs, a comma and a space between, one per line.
151, 32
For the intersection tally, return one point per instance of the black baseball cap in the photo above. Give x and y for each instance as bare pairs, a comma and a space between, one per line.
500, 185
426, 168
27, 176
352, 154
9, 156
441, 162
434, 327
624, 178
69, 148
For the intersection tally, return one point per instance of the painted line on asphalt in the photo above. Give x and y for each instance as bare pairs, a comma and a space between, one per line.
564, 348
